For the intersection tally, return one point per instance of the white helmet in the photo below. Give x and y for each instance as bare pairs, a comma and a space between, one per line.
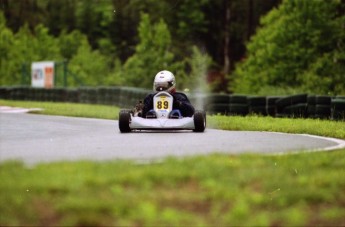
164, 81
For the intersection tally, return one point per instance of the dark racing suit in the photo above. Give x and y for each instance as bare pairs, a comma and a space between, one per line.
181, 102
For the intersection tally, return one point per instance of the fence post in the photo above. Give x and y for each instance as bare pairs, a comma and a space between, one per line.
24, 73
65, 73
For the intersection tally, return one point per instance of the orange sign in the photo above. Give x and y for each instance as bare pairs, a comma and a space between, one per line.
49, 77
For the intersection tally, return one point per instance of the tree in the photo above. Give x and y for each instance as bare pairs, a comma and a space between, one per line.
111, 25
23, 48
22, 12
60, 15
6, 39
45, 45
293, 38
93, 18
229, 26
89, 66
152, 54
69, 43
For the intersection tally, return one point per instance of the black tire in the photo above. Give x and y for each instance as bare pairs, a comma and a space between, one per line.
297, 111
323, 100
323, 111
311, 110
260, 110
199, 121
124, 120
311, 100
271, 111
238, 109
115, 95
257, 101
291, 100
338, 108
271, 100
217, 99
271, 105
340, 97
238, 99
338, 104
218, 108
299, 98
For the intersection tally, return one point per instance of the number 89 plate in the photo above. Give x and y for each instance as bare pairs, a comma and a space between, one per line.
162, 104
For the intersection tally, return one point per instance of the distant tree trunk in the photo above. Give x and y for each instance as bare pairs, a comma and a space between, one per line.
342, 7
250, 19
227, 50
5, 8
341, 11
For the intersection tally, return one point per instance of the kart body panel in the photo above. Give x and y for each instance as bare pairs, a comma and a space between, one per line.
186, 123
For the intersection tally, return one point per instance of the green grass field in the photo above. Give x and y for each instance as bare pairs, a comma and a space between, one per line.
67, 109
305, 189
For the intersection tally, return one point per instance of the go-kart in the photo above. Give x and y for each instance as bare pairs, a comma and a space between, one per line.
162, 117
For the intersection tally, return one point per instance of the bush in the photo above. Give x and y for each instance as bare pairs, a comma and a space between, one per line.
300, 45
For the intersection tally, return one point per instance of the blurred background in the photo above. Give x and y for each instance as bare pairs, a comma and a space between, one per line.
262, 47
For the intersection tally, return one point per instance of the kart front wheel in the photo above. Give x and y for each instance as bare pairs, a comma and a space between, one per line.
124, 120
199, 121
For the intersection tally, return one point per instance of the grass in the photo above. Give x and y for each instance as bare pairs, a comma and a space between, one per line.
67, 109
218, 190
298, 125
304, 189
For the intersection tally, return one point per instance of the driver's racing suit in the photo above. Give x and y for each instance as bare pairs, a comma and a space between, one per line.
181, 102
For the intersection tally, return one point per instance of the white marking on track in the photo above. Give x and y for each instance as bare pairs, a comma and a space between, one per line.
340, 144
9, 109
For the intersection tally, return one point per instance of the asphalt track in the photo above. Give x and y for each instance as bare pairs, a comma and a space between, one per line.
37, 138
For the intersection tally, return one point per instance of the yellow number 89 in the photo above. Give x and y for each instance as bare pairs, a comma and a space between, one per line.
162, 105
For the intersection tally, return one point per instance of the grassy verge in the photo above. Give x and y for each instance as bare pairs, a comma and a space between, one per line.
67, 109
218, 190
255, 123
305, 189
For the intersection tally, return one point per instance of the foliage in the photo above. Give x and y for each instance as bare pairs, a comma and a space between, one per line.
326, 75
24, 47
300, 44
90, 66
191, 19
152, 54
298, 48
69, 43
111, 27
6, 39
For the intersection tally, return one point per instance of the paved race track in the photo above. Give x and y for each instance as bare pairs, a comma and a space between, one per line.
38, 138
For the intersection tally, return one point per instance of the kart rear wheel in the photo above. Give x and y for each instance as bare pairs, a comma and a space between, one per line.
124, 120
199, 121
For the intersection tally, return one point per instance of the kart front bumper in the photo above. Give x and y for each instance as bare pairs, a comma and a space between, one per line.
186, 123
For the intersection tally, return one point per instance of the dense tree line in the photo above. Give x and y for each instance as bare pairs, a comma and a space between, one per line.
299, 48
124, 42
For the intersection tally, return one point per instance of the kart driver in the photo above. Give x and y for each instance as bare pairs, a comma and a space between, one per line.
165, 81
